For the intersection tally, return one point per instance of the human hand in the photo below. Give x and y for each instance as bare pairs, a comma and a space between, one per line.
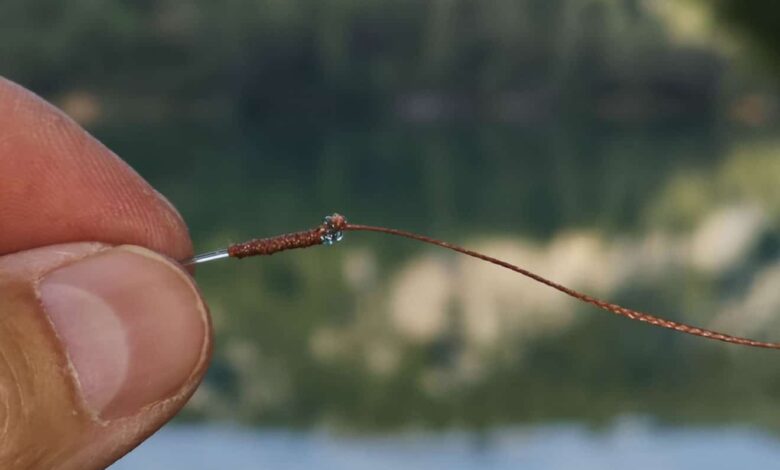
103, 337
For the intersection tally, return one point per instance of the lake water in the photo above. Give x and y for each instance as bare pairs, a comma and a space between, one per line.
628, 443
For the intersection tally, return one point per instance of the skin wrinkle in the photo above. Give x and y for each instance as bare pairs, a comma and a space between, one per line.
117, 216
100, 176
31, 396
124, 209
5, 419
6, 398
43, 398
50, 402
17, 385
133, 429
7, 138
137, 427
69, 364
72, 375
177, 218
16, 101
93, 173
205, 352
61, 186
156, 235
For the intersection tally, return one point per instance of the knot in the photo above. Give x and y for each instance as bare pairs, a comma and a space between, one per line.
333, 229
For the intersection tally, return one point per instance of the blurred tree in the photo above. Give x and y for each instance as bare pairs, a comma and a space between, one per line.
757, 19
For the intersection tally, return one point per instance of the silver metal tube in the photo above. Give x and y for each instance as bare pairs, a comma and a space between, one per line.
206, 257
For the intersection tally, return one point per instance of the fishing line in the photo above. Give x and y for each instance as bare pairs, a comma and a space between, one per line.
332, 230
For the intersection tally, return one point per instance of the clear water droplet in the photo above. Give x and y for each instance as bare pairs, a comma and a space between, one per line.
331, 235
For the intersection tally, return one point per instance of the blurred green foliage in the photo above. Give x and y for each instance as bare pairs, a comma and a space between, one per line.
519, 118
311, 61
757, 20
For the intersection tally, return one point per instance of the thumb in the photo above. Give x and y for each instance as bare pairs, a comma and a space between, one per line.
99, 347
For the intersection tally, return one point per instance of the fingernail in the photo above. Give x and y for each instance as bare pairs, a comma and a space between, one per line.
132, 325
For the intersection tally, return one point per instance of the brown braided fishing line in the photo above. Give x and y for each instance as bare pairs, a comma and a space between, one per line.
330, 231
271, 245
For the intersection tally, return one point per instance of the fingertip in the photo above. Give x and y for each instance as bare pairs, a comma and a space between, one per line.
58, 184
133, 325
99, 347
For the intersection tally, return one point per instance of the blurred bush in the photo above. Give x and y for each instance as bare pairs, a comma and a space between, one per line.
626, 146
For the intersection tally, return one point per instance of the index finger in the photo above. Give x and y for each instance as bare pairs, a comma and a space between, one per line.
59, 184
